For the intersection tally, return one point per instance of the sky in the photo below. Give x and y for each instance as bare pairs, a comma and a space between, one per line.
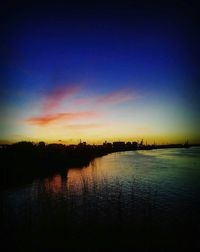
99, 70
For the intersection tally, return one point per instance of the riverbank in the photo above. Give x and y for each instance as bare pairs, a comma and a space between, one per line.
24, 161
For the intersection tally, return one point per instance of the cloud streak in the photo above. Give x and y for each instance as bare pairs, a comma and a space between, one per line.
53, 118
54, 99
112, 98
115, 97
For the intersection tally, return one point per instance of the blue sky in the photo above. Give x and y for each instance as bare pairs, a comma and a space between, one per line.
131, 66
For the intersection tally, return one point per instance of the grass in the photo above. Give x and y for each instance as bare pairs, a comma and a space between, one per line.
96, 215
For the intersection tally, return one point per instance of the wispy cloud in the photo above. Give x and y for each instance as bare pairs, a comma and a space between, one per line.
54, 99
52, 118
115, 97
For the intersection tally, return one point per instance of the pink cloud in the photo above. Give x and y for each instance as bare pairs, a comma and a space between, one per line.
115, 97
56, 97
51, 118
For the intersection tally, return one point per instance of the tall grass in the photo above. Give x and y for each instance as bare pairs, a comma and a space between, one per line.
93, 215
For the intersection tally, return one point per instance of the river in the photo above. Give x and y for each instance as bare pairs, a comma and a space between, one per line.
163, 184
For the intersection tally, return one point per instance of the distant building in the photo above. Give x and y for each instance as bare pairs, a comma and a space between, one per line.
82, 144
134, 144
107, 146
141, 143
119, 145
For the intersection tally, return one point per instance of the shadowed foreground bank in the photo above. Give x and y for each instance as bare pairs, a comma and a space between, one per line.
24, 161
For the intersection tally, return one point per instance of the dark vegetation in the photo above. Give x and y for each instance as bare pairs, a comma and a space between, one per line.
24, 161
99, 217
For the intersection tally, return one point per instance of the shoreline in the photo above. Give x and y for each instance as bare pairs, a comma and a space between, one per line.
23, 162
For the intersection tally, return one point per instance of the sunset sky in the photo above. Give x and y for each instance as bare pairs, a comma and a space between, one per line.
96, 72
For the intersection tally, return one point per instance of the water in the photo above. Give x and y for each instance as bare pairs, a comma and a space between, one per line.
162, 185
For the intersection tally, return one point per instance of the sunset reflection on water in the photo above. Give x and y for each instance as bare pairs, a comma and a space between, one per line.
166, 171
53, 184
74, 180
100, 172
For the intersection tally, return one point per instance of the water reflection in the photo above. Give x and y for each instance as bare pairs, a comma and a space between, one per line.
53, 184
134, 188
173, 172
73, 180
